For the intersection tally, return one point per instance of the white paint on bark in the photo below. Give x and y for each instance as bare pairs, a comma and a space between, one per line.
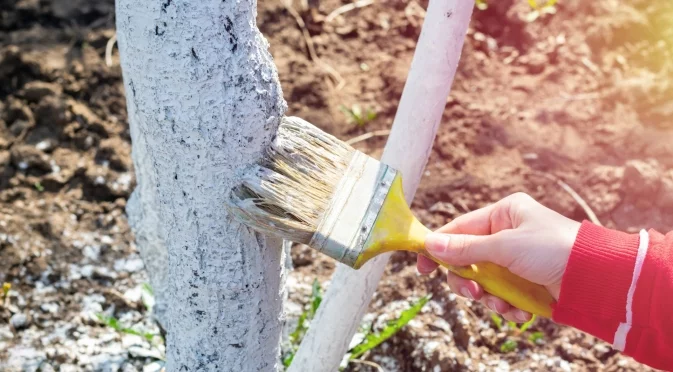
409, 144
203, 101
143, 216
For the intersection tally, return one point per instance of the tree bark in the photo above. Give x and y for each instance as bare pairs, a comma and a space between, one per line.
409, 144
203, 101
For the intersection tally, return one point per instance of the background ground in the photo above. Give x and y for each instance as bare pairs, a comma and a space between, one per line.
583, 95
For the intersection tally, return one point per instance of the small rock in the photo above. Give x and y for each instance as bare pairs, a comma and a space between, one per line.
34, 91
97, 272
534, 62
19, 321
45, 145
441, 325
601, 351
134, 294
49, 308
106, 362
46, 367
129, 340
68, 368
153, 367
5, 333
139, 352
28, 157
92, 305
642, 178
92, 252
130, 265
128, 367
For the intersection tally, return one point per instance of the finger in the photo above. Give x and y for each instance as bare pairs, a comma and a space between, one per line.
463, 250
495, 304
425, 265
517, 315
464, 287
510, 317
474, 223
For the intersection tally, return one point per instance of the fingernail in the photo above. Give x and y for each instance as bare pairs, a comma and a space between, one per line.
466, 292
521, 316
436, 243
491, 305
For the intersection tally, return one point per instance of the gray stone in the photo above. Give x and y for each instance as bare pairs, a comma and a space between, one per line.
19, 321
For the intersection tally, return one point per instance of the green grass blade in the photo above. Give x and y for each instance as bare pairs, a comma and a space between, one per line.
535, 337
528, 324
287, 360
113, 323
298, 332
375, 339
316, 297
508, 346
497, 320
308, 314
109, 321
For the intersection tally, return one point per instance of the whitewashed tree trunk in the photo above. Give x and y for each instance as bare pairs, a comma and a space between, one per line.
143, 216
420, 111
203, 101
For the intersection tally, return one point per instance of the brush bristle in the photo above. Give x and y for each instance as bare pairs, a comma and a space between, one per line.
287, 193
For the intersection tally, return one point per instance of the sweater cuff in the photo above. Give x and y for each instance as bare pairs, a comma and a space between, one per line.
596, 281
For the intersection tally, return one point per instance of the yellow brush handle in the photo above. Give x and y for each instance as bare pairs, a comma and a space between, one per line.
396, 229
502, 283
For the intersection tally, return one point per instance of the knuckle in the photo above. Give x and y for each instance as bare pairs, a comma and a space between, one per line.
521, 197
461, 245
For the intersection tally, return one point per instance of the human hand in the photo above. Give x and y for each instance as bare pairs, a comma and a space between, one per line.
518, 233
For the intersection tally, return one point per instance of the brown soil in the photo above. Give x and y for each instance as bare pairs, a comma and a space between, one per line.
582, 95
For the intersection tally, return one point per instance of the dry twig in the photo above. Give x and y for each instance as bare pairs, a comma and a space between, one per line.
309, 45
347, 8
369, 363
108, 50
366, 136
582, 203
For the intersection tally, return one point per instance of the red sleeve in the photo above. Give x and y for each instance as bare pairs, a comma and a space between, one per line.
619, 288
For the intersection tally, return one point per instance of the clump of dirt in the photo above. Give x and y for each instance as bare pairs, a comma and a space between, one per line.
583, 95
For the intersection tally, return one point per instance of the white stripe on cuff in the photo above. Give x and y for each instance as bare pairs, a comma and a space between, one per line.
623, 330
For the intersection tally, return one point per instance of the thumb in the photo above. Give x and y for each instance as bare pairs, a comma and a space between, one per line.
463, 250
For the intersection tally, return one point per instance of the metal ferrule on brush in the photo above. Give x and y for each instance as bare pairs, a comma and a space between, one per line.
355, 205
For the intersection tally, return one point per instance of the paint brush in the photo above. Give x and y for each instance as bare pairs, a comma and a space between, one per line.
310, 187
